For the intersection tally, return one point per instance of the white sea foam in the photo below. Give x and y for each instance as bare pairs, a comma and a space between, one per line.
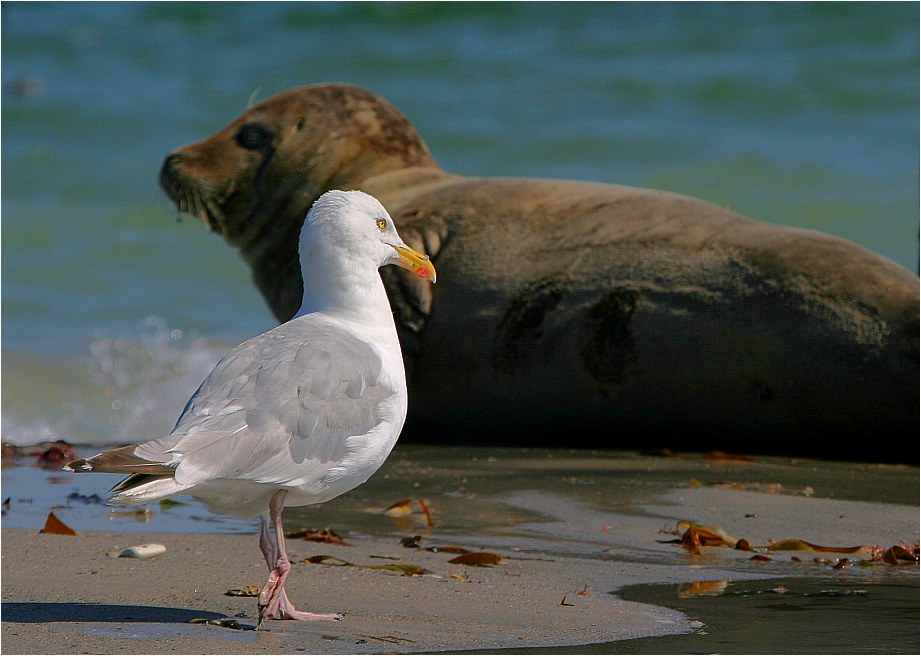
128, 387
149, 377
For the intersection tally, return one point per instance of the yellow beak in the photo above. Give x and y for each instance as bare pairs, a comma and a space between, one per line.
416, 262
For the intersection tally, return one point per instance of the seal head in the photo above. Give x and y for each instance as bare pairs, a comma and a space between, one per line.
253, 182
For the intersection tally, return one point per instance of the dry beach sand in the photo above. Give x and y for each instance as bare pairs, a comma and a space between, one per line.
64, 594
90, 602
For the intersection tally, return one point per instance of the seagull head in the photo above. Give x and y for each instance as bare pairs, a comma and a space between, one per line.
355, 224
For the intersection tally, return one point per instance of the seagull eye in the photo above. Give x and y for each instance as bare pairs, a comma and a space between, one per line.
381, 224
253, 136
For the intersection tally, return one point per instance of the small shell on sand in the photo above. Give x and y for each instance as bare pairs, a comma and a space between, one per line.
141, 551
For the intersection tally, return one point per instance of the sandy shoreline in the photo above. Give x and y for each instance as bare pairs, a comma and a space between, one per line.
66, 595
565, 524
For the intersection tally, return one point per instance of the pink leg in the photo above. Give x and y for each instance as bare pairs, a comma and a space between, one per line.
267, 542
273, 600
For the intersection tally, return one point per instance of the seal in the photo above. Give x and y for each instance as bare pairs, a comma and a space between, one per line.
631, 318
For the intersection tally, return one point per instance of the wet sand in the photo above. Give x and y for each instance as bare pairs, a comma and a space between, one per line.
66, 595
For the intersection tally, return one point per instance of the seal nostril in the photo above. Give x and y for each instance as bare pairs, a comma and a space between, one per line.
168, 173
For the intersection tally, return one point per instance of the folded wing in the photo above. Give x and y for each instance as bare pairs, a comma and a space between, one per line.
277, 409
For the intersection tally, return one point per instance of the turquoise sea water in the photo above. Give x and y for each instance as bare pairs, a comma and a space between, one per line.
801, 114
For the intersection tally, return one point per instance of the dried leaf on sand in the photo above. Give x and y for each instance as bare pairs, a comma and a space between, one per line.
802, 545
478, 559
326, 536
55, 526
332, 561
696, 536
327, 560
406, 570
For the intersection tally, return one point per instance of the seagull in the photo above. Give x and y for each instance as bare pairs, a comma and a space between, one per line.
300, 414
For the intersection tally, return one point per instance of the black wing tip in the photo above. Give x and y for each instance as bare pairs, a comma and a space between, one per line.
77, 466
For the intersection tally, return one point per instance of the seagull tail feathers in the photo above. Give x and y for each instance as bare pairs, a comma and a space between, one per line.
138, 489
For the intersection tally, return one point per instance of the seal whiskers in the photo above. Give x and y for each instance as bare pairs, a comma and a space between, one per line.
196, 204
200, 211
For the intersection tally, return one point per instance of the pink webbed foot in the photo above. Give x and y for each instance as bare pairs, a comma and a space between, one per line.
287, 611
277, 606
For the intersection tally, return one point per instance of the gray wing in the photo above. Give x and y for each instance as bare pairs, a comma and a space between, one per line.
278, 408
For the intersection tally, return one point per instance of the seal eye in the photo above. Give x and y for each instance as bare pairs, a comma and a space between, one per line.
253, 136
381, 224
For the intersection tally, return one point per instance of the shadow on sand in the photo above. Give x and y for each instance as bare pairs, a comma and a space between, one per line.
81, 612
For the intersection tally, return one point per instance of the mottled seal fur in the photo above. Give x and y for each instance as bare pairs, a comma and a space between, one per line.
573, 313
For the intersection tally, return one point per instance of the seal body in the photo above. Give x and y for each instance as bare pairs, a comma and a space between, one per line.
631, 318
